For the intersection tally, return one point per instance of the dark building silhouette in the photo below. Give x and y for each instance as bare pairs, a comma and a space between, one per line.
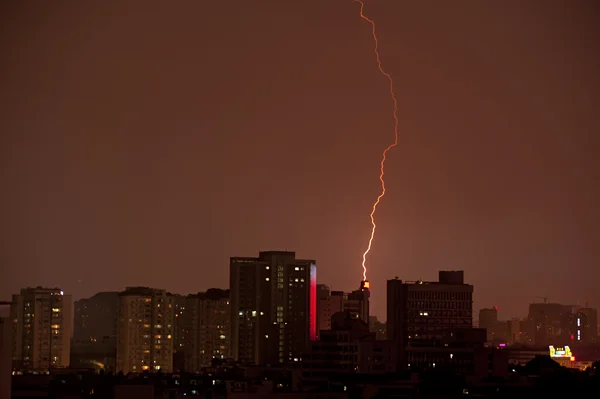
95, 318
552, 324
348, 348
419, 313
180, 332
273, 307
95, 331
586, 326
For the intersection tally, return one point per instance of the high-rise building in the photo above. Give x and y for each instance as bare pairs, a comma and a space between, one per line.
488, 319
145, 330
206, 319
273, 307
421, 312
95, 331
42, 328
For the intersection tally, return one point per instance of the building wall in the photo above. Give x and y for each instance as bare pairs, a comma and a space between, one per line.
273, 307
41, 328
145, 330
207, 320
332, 304
421, 311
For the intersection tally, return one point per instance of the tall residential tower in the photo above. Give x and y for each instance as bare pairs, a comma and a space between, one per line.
42, 328
145, 330
273, 307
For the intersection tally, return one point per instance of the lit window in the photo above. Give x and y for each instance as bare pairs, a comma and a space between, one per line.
55, 310
267, 279
296, 268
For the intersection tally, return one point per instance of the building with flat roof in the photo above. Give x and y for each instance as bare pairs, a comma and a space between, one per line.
421, 312
145, 330
41, 329
273, 307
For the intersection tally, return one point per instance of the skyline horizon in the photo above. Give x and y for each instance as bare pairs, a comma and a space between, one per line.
380, 317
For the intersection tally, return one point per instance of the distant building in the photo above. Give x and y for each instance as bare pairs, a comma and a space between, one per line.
488, 319
420, 312
41, 328
330, 303
348, 348
586, 326
96, 317
377, 327
145, 330
273, 307
208, 329
95, 331
357, 303
553, 323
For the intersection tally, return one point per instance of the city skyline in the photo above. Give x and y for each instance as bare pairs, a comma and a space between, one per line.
140, 147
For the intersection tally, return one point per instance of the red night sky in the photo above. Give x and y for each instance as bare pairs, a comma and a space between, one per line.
144, 143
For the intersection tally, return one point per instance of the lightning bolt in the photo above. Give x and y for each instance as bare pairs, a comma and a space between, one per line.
389, 147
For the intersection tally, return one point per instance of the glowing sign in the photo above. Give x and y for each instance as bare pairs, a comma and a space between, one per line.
561, 352
312, 322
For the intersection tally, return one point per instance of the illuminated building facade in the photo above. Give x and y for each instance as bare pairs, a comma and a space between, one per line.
41, 329
145, 330
420, 312
206, 322
273, 307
